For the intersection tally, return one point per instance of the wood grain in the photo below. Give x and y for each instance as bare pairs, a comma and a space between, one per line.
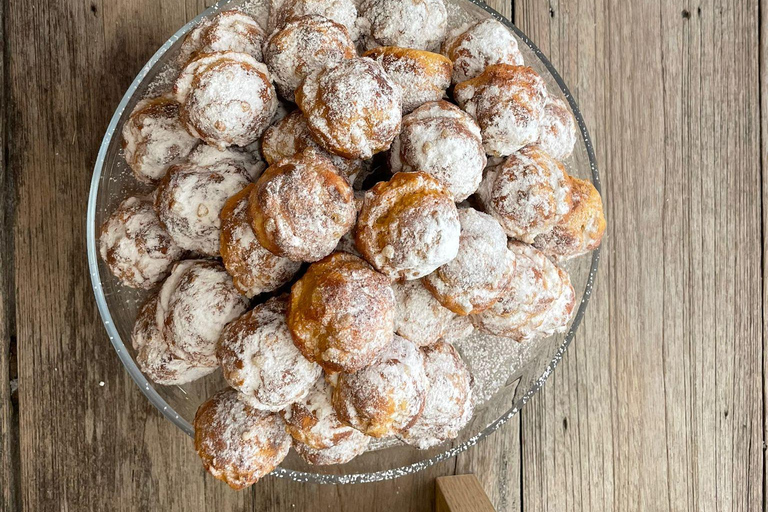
89, 439
9, 461
461, 493
658, 404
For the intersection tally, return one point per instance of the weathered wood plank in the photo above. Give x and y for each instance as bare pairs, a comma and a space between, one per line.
658, 404
89, 439
8, 414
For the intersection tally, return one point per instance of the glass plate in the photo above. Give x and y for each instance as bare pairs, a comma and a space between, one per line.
506, 374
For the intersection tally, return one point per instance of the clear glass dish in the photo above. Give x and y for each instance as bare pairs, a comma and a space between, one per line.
507, 374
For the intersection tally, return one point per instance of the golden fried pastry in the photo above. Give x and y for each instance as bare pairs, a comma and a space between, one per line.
154, 356
291, 136
197, 301
557, 129
343, 12
578, 231
482, 271
440, 139
481, 45
190, 197
448, 405
237, 443
254, 269
418, 24
459, 328
259, 359
135, 246
507, 102
154, 139
352, 109
539, 303
423, 76
408, 226
420, 318
318, 435
226, 98
231, 30
301, 207
342, 313
528, 193
305, 45
386, 397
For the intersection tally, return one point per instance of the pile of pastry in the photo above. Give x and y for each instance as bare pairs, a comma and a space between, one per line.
324, 255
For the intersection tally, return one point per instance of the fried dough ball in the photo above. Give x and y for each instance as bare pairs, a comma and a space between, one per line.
343, 12
482, 271
528, 193
290, 136
448, 405
318, 435
154, 356
155, 139
440, 139
135, 246
301, 207
197, 301
342, 313
231, 30
507, 102
420, 317
578, 231
259, 359
557, 129
190, 198
305, 45
352, 109
254, 269
423, 76
386, 397
408, 226
418, 24
481, 45
539, 303
226, 98
237, 443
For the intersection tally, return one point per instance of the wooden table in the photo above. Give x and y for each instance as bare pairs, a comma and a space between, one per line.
659, 403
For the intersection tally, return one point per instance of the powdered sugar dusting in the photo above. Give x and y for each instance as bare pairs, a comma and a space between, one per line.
305, 45
557, 129
253, 268
135, 245
190, 199
448, 404
386, 397
238, 444
259, 359
408, 226
420, 317
227, 98
353, 109
482, 270
419, 24
203, 301
439, 139
485, 43
422, 76
528, 193
507, 102
154, 138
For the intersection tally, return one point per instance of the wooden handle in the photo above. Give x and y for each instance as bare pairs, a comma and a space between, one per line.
461, 493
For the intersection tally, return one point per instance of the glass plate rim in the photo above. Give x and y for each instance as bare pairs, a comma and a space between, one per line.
300, 476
